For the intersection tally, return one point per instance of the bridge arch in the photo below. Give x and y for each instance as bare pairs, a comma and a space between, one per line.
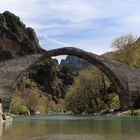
105, 65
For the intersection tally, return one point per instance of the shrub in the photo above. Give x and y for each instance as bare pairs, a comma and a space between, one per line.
20, 110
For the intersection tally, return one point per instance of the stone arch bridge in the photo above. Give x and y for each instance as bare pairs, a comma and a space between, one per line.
126, 79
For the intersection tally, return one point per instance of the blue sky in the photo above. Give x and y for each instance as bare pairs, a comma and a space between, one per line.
87, 24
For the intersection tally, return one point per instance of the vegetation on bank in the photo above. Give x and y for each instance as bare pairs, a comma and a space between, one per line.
29, 99
135, 112
43, 87
91, 93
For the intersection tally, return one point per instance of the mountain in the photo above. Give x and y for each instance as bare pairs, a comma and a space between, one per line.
15, 38
75, 63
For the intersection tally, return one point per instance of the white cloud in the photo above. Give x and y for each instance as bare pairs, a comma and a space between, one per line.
53, 43
96, 46
94, 22
71, 10
67, 10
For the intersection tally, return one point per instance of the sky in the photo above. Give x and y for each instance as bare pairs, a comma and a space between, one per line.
87, 24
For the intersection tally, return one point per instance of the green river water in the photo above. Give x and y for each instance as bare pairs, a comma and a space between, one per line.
67, 127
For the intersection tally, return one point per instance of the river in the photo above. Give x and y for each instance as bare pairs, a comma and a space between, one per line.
67, 127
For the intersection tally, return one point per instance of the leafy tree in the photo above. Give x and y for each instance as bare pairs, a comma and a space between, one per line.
89, 93
20, 109
26, 96
30, 94
124, 48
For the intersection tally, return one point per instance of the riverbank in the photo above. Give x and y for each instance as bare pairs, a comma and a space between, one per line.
135, 112
112, 112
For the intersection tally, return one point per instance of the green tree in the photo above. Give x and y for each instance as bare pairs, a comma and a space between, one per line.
30, 94
124, 48
89, 92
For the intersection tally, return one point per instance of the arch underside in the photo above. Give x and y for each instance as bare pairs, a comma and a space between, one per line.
125, 79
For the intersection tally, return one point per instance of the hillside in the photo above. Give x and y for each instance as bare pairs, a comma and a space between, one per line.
15, 38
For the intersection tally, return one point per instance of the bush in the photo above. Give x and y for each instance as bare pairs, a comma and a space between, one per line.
115, 102
20, 110
89, 94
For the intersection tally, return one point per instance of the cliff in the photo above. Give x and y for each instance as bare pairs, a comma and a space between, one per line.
75, 63
15, 38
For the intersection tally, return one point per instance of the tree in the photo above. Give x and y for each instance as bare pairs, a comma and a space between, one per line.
30, 94
124, 47
89, 92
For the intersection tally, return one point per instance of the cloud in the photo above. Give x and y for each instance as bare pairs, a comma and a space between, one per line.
67, 10
89, 24
52, 43
61, 44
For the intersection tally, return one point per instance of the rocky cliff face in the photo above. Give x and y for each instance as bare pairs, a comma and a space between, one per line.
15, 38
75, 63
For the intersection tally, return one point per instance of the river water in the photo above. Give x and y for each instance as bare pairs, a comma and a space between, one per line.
64, 127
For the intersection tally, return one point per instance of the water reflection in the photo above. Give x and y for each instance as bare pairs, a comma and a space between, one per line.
71, 128
4, 127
